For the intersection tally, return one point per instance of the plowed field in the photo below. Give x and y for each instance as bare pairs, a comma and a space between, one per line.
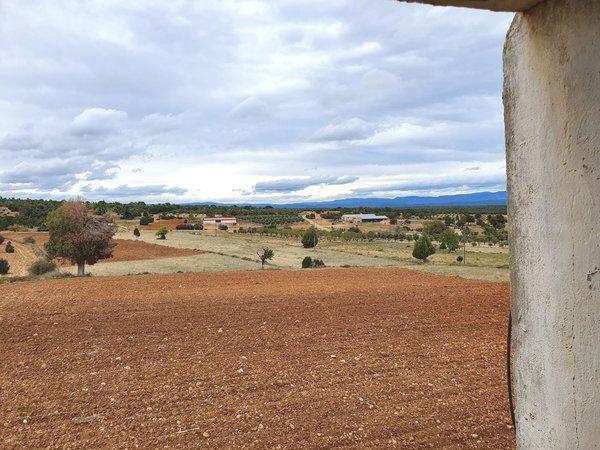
313, 359
125, 250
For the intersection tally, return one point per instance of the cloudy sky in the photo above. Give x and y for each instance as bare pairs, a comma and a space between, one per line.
248, 101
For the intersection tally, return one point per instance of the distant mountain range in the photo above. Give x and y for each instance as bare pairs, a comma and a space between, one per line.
475, 199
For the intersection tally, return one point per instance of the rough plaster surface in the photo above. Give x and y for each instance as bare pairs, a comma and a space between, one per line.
494, 5
552, 116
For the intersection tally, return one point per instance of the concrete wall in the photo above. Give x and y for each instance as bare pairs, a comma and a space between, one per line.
552, 115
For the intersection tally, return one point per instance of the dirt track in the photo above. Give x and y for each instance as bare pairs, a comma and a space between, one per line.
317, 358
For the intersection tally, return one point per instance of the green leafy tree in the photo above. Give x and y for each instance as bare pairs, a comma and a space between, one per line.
497, 221
162, 233
9, 248
423, 248
310, 238
265, 255
136, 232
434, 228
145, 220
101, 208
450, 240
79, 235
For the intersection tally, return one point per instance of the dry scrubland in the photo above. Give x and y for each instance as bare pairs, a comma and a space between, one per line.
224, 251
307, 358
217, 251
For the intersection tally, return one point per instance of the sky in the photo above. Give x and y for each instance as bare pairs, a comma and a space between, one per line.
249, 101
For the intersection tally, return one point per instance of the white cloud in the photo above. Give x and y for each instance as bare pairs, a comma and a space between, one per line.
98, 121
216, 97
348, 130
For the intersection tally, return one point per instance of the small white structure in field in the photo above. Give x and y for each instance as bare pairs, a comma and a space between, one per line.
219, 220
363, 218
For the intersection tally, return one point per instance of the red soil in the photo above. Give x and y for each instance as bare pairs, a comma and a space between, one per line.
125, 250
310, 359
158, 224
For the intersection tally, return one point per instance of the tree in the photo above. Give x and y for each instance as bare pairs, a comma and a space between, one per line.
145, 220
79, 235
448, 220
307, 262
450, 240
4, 266
310, 238
101, 208
423, 248
434, 228
498, 221
136, 232
266, 254
9, 248
162, 233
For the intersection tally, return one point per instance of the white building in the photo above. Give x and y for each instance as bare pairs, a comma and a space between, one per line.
219, 220
363, 218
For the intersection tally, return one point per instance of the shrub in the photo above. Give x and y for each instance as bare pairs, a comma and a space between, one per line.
4, 266
423, 248
162, 233
310, 216
9, 248
1, 239
310, 238
136, 232
307, 262
223, 227
317, 263
459, 258
146, 220
189, 226
29, 240
41, 266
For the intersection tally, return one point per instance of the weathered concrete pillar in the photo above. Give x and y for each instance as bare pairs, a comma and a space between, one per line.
552, 116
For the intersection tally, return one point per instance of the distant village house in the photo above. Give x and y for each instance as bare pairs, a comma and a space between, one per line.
363, 218
229, 221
